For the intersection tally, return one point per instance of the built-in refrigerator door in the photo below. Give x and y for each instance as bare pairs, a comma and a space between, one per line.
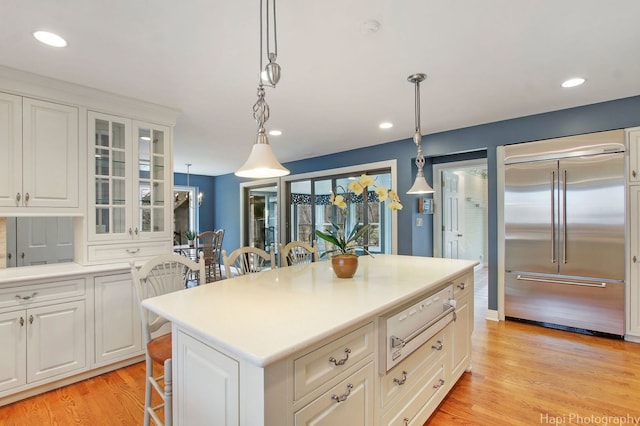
530, 214
591, 207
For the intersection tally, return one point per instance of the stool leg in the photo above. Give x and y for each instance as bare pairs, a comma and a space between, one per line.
168, 393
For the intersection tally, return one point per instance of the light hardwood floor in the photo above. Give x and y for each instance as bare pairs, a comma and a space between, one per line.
522, 375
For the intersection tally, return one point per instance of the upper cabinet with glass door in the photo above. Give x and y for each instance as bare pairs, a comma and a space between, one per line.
109, 192
153, 180
131, 177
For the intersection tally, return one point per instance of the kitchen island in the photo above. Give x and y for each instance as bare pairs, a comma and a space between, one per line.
297, 345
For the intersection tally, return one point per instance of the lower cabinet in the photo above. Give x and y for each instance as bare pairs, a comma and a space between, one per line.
462, 326
206, 384
350, 402
117, 325
42, 343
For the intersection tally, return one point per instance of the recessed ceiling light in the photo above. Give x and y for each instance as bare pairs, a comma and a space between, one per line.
573, 82
275, 132
50, 39
386, 125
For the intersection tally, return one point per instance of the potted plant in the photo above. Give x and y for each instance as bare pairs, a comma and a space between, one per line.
190, 235
344, 258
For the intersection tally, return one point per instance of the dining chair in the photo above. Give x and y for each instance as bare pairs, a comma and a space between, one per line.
248, 260
161, 275
211, 244
298, 252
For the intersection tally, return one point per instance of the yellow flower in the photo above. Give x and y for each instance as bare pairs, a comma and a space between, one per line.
365, 180
382, 192
395, 205
338, 200
356, 187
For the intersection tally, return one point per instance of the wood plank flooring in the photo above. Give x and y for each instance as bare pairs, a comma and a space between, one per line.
522, 375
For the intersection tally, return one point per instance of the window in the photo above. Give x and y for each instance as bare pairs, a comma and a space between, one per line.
310, 209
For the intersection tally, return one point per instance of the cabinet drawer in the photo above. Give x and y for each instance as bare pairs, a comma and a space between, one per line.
137, 250
418, 405
404, 376
34, 293
323, 364
463, 285
350, 402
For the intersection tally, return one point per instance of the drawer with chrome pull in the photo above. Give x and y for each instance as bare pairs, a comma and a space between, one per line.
321, 365
34, 293
462, 285
404, 376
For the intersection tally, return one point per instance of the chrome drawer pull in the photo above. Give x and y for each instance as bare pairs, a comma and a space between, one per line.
438, 346
26, 298
343, 360
343, 397
437, 385
461, 286
133, 251
397, 341
402, 381
406, 421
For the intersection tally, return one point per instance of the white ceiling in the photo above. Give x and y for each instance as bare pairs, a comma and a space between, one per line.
485, 60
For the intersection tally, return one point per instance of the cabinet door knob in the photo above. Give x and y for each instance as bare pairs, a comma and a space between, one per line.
439, 384
438, 346
18, 198
26, 199
461, 286
635, 259
21, 322
30, 319
633, 173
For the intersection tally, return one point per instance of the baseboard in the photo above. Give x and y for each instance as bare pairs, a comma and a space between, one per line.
27, 391
632, 338
492, 315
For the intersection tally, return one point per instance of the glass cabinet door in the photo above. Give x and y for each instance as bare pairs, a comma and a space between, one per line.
110, 146
152, 179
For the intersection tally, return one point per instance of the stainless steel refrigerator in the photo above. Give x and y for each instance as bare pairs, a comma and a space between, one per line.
564, 217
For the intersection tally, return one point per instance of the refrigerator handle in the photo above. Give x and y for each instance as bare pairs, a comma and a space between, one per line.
564, 216
553, 217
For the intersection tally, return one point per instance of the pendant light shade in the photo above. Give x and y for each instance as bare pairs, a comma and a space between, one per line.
420, 186
262, 163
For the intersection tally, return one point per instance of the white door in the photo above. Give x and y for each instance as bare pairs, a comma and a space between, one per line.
43, 240
11, 149
118, 329
13, 368
50, 154
451, 232
56, 339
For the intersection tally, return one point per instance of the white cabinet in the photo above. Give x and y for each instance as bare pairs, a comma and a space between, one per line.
42, 333
633, 304
634, 155
349, 403
462, 326
117, 325
40, 169
633, 241
206, 384
129, 189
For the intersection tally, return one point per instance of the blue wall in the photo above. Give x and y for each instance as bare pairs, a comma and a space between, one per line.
204, 184
478, 141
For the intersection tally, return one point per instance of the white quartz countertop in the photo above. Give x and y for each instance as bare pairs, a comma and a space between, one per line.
268, 316
55, 271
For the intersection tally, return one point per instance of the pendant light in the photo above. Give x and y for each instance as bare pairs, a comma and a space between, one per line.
420, 186
262, 163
